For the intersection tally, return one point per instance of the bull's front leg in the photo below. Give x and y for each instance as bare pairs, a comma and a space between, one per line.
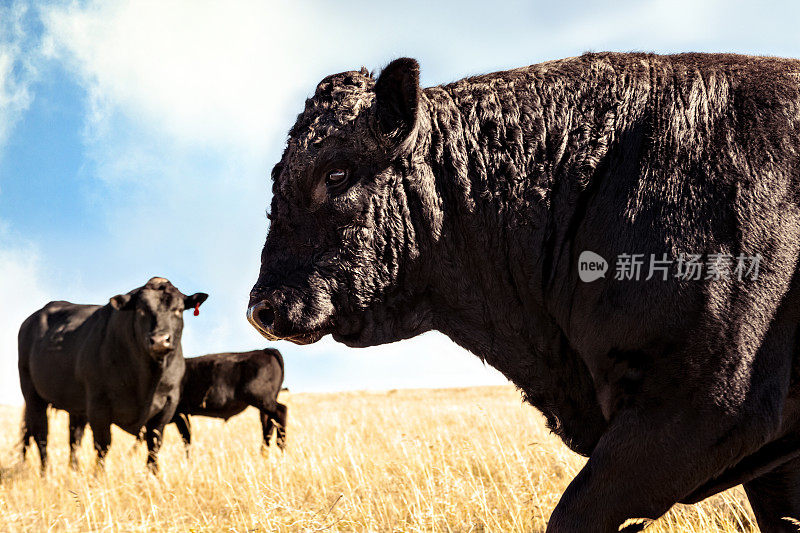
646, 462
676, 423
154, 433
99, 415
153, 436
77, 424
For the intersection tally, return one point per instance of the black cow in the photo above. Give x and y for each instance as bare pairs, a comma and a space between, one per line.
222, 385
119, 363
466, 208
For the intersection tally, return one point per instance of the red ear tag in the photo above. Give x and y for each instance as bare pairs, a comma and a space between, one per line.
196, 309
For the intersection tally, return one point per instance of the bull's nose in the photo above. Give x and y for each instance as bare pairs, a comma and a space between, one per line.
262, 316
160, 342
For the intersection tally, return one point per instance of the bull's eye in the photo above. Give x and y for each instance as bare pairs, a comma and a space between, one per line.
336, 178
177, 312
140, 312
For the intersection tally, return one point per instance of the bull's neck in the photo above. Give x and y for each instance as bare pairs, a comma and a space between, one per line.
494, 158
511, 157
508, 171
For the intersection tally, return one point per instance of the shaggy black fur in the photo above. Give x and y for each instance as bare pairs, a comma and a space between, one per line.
463, 208
119, 363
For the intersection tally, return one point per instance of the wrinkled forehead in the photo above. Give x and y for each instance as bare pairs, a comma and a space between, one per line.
334, 119
333, 111
336, 104
160, 294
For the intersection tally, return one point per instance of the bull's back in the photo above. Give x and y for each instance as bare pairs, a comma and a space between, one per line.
704, 163
50, 343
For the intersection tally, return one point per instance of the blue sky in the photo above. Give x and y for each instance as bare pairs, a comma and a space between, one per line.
136, 139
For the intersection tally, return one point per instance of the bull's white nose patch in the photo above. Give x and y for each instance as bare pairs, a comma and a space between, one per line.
591, 266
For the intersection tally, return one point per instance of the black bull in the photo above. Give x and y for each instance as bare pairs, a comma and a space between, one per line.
465, 208
119, 363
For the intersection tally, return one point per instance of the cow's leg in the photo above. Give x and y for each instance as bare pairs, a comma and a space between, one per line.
645, 463
77, 424
153, 436
100, 421
36, 428
776, 495
281, 416
154, 433
185, 429
272, 414
35, 422
266, 429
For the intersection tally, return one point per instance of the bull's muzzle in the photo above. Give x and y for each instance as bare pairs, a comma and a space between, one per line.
160, 343
262, 316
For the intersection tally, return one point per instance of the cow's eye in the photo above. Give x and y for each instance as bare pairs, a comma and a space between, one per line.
140, 312
336, 178
177, 312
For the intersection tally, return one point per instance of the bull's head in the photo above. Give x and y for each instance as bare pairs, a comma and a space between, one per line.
157, 313
343, 233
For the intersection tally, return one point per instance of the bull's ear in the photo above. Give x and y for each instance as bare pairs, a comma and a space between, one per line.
397, 97
121, 301
195, 299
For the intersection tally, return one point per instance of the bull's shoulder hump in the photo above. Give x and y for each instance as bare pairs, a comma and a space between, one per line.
624, 63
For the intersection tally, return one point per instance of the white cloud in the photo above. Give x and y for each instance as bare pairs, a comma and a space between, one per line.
16, 69
22, 292
205, 73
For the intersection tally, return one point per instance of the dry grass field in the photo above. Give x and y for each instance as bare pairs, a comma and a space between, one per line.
419, 460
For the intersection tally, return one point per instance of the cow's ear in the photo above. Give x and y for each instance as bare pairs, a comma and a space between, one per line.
121, 301
189, 302
397, 97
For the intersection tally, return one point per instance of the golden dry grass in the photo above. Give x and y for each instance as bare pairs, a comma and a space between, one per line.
421, 460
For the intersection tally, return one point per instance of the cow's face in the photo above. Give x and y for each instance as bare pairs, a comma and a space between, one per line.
341, 233
157, 312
